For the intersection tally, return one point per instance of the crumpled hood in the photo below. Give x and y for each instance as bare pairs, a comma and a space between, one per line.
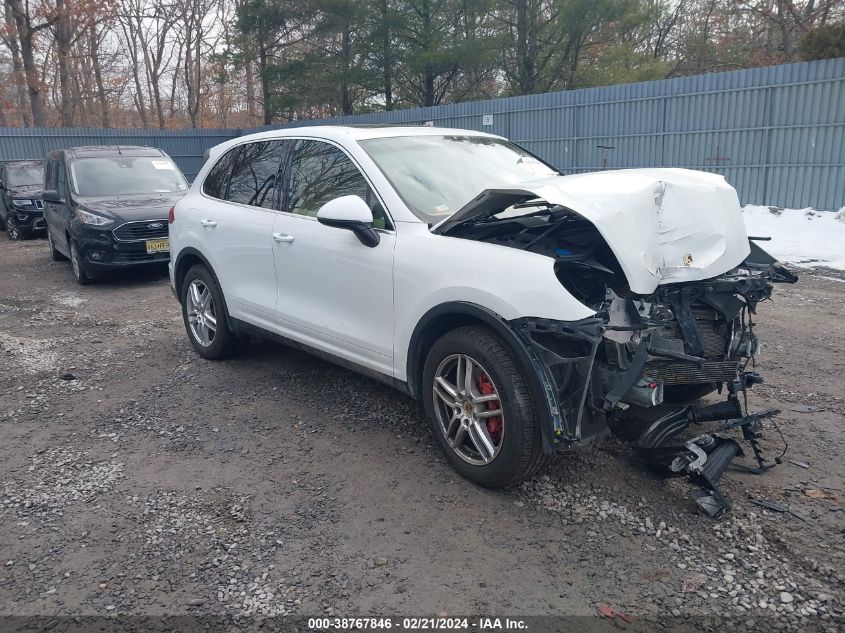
663, 225
132, 208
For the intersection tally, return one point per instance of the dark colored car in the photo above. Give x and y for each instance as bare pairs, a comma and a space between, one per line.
21, 182
107, 207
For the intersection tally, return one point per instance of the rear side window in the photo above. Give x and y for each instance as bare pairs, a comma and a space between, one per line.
215, 183
255, 174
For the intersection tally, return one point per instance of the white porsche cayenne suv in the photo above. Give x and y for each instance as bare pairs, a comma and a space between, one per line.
525, 308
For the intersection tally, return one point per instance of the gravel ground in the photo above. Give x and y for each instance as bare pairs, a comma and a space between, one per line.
141, 480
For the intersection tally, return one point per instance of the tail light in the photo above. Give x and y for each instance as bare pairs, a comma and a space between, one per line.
171, 215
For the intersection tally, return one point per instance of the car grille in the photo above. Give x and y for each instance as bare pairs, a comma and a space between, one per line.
685, 373
133, 231
39, 204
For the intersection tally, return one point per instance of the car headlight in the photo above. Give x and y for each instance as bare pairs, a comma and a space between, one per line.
86, 217
23, 203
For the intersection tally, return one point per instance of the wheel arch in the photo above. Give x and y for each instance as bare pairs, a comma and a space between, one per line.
187, 259
448, 316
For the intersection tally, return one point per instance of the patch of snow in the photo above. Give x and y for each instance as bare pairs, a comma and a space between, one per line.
842, 281
804, 237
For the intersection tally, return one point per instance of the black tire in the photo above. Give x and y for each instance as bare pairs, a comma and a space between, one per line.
82, 278
225, 342
520, 454
55, 255
2, 224
12, 231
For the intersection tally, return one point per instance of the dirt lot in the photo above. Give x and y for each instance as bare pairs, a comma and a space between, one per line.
154, 482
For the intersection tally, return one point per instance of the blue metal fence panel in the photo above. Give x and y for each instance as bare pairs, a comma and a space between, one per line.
186, 147
777, 133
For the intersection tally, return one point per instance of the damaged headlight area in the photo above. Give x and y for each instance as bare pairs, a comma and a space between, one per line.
654, 357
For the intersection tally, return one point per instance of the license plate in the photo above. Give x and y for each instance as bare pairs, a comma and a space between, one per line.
158, 246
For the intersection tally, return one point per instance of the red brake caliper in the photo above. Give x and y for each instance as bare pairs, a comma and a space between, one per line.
494, 424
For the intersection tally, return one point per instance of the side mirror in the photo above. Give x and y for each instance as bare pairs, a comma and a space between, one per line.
353, 214
51, 195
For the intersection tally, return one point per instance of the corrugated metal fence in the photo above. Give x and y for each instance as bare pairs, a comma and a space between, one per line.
186, 147
776, 133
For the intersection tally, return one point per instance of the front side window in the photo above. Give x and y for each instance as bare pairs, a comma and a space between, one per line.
125, 175
321, 172
437, 175
254, 174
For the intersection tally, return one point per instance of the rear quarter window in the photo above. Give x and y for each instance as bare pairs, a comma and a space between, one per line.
217, 179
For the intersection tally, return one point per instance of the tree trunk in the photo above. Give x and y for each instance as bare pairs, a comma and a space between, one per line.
346, 54
265, 83
387, 56
786, 34
249, 72
17, 66
94, 53
524, 58
63, 36
30, 68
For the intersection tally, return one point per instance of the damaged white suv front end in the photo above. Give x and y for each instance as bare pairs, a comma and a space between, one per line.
663, 258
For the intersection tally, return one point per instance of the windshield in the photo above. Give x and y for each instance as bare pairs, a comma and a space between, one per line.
25, 174
125, 175
437, 175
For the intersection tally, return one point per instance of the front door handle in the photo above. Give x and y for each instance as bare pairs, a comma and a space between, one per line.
210, 223
282, 237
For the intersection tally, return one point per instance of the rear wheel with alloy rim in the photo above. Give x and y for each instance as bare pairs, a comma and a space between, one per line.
479, 404
204, 314
82, 277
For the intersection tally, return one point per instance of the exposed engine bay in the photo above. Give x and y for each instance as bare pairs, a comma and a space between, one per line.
655, 353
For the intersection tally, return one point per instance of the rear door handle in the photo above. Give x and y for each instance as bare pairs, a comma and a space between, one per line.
210, 223
282, 237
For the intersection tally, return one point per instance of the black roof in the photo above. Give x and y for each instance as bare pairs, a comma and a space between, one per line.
93, 151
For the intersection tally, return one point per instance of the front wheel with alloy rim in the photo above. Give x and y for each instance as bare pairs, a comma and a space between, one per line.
82, 277
12, 230
477, 398
204, 314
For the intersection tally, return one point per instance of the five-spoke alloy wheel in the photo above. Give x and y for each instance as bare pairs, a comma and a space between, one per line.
469, 410
477, 396
205, 316
201, 314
